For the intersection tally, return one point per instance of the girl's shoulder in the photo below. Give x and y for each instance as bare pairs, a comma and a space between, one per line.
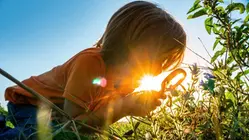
89, 56
88, 59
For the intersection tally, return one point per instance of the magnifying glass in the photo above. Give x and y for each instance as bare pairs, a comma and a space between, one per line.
174, 79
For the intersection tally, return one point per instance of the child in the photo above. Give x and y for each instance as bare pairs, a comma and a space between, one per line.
94, 85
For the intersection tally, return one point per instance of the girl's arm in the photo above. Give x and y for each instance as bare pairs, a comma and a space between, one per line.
105, 115
133, 104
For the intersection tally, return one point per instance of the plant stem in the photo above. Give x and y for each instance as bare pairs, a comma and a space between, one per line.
204, 47
76, 130
199, 55
58, 131
133, 126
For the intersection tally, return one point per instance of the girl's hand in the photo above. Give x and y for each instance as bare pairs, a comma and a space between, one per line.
142, 103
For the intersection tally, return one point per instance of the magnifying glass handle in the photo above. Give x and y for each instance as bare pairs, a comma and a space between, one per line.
171, 76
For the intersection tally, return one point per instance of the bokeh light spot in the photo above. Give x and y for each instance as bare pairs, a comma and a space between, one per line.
100, 81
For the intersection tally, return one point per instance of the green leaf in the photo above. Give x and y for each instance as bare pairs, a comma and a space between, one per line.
220, 9
229, 60
229, 103
198, 13
229, 95
238, 35
190, 17
247, 7
205, 86
236, 6
245, 72
217, 54
195, 6
211, 84
9, 124
235, 21
216, 29
216, 43
246, 19
244, 39
176, 100
233, 68
209, 24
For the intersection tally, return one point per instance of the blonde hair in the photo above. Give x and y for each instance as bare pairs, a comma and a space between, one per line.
136, 22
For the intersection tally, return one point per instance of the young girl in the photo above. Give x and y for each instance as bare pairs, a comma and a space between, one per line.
94, 85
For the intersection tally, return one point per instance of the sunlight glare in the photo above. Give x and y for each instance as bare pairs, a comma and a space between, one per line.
149, 82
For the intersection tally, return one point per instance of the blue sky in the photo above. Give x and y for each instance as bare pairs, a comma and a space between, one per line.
36, 35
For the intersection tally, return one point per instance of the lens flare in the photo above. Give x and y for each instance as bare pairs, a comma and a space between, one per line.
99, 81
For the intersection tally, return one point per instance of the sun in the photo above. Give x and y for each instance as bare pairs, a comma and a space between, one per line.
149, 82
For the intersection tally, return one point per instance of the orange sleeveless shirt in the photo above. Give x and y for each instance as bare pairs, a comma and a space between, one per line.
72, 80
